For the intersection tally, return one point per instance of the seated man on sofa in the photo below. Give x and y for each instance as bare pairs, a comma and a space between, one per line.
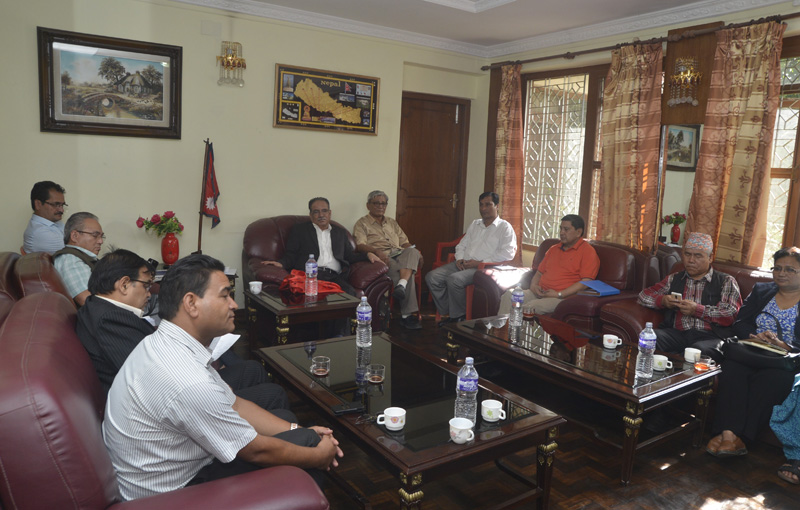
110, 326
330, 246
170, 421
45, 232
560, 273
700, 304
488, 239
83, 238
377, 233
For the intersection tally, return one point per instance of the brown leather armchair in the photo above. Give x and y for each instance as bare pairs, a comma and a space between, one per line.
626, 318
624, 268
265, 239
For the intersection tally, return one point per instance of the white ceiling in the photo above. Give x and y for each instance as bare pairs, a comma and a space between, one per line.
488, 28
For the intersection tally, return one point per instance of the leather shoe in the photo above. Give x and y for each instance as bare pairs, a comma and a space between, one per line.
411, 322
713, 445
733, 448
399, 293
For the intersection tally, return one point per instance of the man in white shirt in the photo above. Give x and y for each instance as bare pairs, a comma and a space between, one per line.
489, 239
45, 232
331, 247
170, 420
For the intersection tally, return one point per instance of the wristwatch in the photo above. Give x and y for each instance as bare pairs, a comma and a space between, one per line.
559, 295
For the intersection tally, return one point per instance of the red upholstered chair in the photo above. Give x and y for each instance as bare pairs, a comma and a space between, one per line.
265, 239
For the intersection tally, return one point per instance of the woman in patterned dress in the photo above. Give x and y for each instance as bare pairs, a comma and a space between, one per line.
746, 394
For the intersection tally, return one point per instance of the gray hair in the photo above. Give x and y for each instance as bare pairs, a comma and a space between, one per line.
75, 222
377, 193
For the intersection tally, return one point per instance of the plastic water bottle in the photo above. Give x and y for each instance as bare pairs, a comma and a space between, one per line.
517, 297
467, 392
364, 326
647, 346
311, 276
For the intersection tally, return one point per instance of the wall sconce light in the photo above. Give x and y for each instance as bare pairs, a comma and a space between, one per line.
684, 83
231, 64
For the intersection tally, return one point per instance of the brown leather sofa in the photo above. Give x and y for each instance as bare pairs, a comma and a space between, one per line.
265, 239
51, 406
621, 267
626, 318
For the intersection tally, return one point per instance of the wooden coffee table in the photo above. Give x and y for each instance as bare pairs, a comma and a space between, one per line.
276, 311
604, 376
425, 387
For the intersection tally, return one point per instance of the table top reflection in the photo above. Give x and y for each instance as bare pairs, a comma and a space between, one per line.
286, 302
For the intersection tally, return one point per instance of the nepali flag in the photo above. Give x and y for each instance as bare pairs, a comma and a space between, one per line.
347, 87
210, 189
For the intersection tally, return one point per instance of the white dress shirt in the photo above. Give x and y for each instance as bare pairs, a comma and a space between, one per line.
326, 258
495, 243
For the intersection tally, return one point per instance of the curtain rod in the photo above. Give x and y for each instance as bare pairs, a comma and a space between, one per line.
673, 38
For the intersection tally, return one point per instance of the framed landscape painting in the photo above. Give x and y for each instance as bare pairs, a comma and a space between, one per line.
100, 85
682, 147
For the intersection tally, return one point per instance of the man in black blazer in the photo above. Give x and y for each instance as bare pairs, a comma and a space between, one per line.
329, 244
110, 326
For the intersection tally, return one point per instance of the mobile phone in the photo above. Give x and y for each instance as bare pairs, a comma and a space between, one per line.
676, 294
347, 408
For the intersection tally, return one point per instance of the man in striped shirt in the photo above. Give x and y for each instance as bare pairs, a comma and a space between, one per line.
699, 304
171, 421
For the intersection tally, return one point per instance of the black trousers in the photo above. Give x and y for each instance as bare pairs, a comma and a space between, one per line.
338, 278
251, 382
674, 340
747, 396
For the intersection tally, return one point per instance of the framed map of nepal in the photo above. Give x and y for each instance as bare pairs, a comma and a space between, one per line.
315, 99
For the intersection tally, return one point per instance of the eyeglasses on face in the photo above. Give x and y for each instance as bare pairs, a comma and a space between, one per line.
317, 212
57, 205
380, 204
145, 284
787, 270
93, 234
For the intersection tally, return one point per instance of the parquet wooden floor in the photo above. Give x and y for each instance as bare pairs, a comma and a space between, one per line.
673, 476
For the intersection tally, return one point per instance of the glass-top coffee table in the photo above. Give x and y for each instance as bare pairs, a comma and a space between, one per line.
275, 311
425, 387
607, 376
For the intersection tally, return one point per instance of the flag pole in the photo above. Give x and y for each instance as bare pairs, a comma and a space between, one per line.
202, 201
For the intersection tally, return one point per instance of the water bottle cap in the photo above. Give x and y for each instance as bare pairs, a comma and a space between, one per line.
648, 324
363, 299
469, 361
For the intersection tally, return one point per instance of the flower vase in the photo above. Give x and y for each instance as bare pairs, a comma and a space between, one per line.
169, 249
675, 234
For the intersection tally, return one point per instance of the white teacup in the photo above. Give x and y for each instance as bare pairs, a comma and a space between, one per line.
661, 362
461, 430
690, 354
255, 287
610, 356
611, 341
393, 418
492, 410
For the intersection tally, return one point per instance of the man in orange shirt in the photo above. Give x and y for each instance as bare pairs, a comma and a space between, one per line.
561, 271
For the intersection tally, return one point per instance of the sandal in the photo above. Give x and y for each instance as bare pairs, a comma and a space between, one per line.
791, 466
733, 448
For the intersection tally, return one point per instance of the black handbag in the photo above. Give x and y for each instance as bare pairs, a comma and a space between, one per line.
754, 357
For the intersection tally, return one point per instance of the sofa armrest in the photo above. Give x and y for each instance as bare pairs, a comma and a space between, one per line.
267, 274
362, 274
626, 318
281, 487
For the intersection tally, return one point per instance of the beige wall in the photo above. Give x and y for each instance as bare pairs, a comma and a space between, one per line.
262, 171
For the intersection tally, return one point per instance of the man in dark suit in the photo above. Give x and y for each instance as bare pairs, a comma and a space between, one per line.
329, 244
110, 326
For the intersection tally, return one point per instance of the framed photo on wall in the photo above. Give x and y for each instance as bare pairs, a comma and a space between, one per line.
325, 100
99, 85
683, 142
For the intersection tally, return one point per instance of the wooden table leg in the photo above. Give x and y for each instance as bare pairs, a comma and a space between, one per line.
282, 329
701, 413
545, 455
632, 421
410, 493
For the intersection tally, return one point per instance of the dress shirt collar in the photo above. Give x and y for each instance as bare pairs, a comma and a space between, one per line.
319, 230
575, 246
35, 218
494, 223
84, 250
180, 336
124, 306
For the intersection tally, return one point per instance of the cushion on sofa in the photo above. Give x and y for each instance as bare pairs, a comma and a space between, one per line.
36, 273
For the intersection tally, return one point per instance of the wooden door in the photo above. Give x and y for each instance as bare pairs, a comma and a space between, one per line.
434, 133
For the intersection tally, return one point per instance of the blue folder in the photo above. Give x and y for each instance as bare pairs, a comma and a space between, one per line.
598, 288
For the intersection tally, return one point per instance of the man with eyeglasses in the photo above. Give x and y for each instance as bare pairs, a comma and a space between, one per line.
330, 246
377, 233
83, 238
45, 232
699, 303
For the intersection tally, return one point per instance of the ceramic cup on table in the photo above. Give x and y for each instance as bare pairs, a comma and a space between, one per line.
492, 410
255, 287
611, 341
661, 362
690, 354
461, 430
393, 418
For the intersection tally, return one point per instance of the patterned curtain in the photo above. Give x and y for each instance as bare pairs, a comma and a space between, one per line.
627, 211
731, 186
509, 170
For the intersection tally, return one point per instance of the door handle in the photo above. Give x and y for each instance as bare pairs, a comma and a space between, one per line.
454, 200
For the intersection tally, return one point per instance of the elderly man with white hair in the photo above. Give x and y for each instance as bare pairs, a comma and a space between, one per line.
699, 303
